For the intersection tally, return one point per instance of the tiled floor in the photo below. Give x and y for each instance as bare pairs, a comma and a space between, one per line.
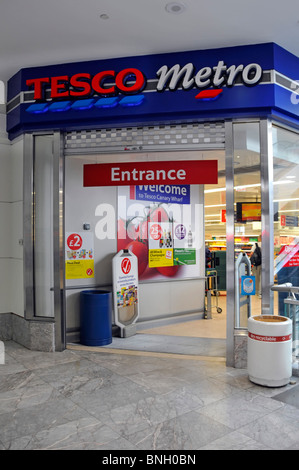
131, 400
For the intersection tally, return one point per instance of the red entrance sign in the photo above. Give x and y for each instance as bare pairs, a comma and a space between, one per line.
151, 173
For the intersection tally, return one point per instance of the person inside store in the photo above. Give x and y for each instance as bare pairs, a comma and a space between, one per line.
208, 258
256, 265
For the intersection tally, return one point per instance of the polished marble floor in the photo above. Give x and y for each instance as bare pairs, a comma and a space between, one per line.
105, 399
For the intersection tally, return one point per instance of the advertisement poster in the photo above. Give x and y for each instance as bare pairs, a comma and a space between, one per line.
160, 244
288, 256
161, 225
79, 255
125, 288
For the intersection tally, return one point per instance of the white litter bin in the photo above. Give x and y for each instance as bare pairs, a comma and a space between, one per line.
269, 351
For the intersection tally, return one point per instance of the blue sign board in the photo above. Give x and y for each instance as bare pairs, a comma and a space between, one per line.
291, 221
168, 194
243, 81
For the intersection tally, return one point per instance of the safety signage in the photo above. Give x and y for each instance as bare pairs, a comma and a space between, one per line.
247, 285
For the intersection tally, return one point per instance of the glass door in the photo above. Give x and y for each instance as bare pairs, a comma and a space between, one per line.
286, 210
247, 220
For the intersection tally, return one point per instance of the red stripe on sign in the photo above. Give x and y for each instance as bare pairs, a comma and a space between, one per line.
208, 94
151, 173
269, 339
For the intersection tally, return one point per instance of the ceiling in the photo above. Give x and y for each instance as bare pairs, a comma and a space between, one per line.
40, 32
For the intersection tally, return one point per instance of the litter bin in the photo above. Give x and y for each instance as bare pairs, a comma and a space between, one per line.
269, 352
95, 317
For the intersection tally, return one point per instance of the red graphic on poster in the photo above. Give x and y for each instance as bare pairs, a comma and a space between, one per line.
291, 255
74, 241
156, 232
89, 272
126, 265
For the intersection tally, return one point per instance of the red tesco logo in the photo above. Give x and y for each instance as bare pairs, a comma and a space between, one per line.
83, 84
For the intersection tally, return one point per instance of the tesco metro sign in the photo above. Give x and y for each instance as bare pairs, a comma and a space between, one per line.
133, 80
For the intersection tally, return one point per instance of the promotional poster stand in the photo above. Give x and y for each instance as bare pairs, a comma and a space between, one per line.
125, 292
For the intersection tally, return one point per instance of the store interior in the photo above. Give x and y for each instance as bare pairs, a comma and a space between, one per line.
204, 334
207, 335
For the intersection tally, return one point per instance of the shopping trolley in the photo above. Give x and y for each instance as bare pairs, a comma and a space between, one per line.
211, 286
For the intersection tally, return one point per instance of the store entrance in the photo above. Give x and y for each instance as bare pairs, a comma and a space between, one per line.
173, 301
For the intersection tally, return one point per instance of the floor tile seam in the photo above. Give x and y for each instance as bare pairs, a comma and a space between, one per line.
255, 420
35, 376
239, 428
27, 392
78, 391
252, 438
35, 368
153, 427
235, 388
240, 393
287, 407
153, 354
243, 445
24, 389
15, 360
261, 419
33, 407
152, 424
50, 428
84, 428
91, 375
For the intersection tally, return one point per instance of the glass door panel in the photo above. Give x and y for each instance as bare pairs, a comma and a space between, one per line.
247, 210
286, 211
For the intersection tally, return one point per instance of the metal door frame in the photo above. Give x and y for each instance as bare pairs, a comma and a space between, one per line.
58, 234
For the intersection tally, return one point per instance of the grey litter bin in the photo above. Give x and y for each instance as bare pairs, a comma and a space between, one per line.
95, 317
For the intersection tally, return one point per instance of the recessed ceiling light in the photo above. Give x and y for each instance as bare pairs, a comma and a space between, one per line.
175, 7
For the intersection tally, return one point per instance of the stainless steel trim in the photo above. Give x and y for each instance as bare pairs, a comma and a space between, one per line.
58, 242
267, 277
28, 148
230, 247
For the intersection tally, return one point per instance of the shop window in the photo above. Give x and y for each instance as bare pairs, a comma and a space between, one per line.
286, 206
247, 210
